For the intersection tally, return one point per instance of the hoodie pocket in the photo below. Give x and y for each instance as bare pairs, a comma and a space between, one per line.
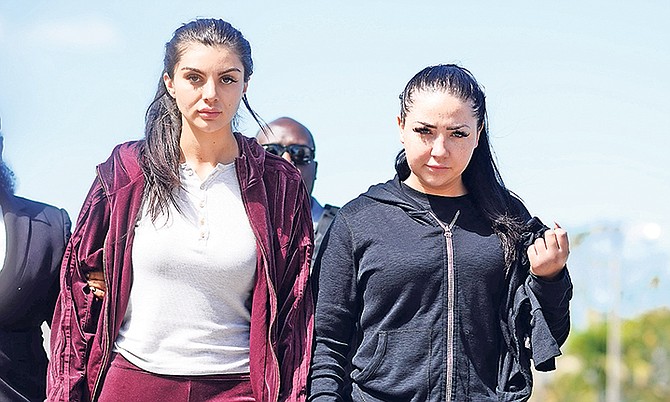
376, 359
400, 365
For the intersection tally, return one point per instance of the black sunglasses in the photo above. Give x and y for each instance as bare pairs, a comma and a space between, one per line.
300, 154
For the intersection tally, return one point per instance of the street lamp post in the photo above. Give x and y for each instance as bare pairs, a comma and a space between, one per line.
617, 238
613, 373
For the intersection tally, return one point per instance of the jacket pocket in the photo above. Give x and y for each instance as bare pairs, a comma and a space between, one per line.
399, 369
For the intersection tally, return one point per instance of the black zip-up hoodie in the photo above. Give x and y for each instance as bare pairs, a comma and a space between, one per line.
414, 304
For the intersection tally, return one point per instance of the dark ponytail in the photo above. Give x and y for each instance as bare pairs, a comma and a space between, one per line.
401, 165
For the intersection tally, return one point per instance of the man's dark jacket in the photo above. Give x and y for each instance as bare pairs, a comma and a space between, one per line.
36, 237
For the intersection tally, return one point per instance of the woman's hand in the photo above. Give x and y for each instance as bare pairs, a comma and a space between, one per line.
96, 282
548, 254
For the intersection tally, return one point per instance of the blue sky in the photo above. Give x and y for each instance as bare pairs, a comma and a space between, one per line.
577, 91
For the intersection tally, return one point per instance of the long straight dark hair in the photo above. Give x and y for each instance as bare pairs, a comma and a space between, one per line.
481, 177
160, 154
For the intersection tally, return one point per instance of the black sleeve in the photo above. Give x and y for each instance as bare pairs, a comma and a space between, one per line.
336, 312
554, 297
60, 241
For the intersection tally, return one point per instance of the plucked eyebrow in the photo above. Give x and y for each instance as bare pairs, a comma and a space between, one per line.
452, 128
221, 73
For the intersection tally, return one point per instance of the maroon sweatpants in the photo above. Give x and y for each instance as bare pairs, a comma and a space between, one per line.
127, 382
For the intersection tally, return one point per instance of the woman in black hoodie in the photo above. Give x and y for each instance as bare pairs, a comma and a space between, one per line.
437, 285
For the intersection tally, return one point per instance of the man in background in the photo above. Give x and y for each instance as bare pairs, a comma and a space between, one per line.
33, 236
292, 141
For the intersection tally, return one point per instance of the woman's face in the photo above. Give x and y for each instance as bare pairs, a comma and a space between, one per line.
439, 135
208, 86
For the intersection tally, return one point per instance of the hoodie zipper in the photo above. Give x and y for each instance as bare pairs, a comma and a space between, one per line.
271, 324
271, 290
105, 316
105, 335
451, 291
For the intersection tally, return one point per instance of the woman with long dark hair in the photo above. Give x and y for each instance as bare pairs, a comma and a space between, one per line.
429, 285
201, 244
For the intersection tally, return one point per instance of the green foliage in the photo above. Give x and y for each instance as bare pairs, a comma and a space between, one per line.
645, 362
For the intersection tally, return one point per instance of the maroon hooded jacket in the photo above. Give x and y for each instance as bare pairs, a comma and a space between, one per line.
84, 328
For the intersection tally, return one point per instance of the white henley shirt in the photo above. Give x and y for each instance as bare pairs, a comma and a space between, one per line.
193, 274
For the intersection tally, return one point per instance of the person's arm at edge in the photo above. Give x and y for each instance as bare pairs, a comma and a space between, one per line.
66, 226
550, 280
336, 313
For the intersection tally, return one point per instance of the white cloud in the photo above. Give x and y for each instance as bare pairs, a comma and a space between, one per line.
82, 33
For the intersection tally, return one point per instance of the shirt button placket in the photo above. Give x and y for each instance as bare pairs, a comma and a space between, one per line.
202, 220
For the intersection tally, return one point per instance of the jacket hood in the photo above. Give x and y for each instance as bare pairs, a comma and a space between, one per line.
126, 157
392, 193
123, 166
251, 162
389, 193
